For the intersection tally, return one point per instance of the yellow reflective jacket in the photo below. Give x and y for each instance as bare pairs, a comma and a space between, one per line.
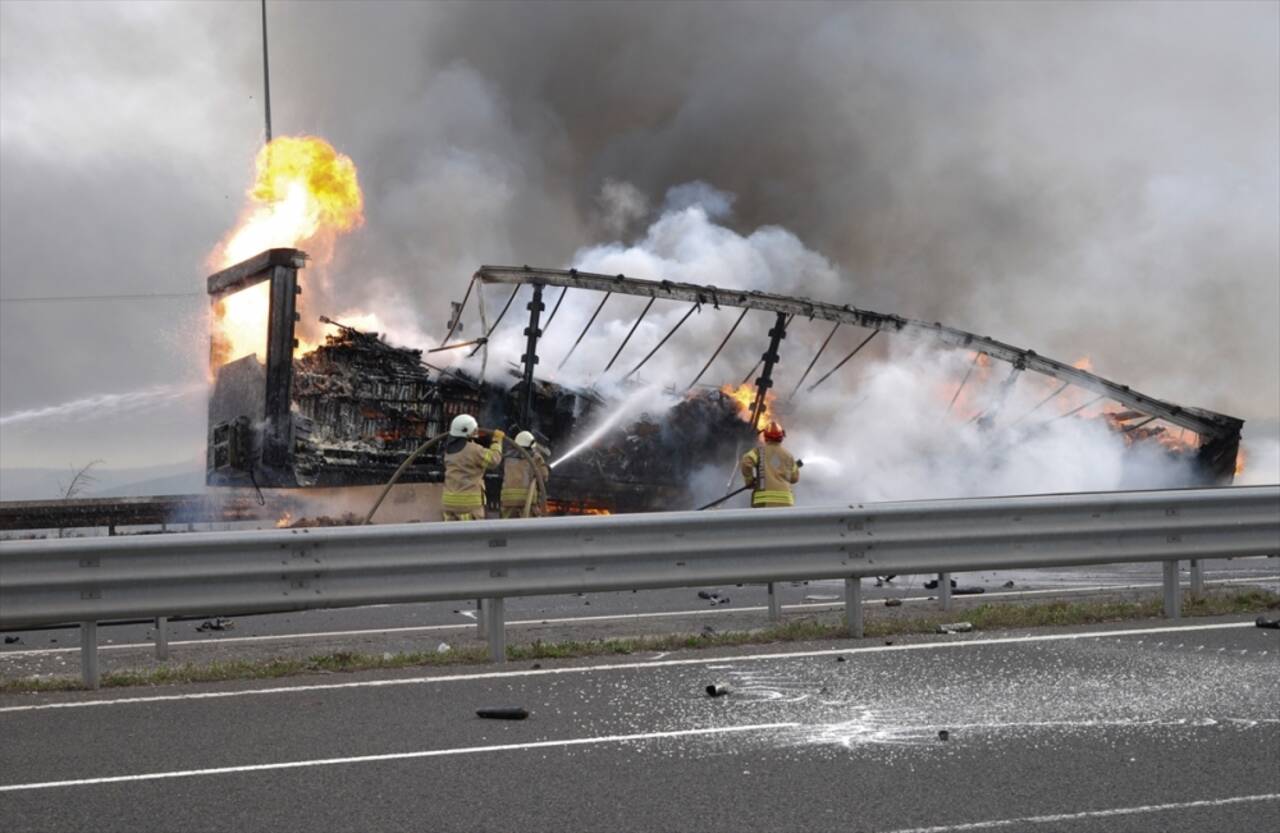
464, 475
770, 470
517, 479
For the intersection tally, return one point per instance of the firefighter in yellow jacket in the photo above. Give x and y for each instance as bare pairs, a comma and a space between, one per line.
771, 470
518, 478
465, 463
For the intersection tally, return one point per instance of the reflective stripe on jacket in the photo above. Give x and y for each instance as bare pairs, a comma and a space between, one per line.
464, 475
517, 478
770, 470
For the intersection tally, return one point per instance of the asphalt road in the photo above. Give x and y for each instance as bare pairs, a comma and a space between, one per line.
1173, 728
443, 617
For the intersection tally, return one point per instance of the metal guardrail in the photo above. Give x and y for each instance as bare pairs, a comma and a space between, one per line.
89, 580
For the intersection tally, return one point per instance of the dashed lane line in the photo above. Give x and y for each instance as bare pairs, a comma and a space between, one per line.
1058, 818
398, 756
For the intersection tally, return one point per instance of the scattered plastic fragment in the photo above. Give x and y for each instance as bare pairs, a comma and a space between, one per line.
386, 656
1007, 584
704, 594
943, 734
717, 690
1264, 622
9, 640
503, 714
443, 648
968, 591
820, 598
932, 584
841, 659
724, 600
218, 624
955, 627
893, 602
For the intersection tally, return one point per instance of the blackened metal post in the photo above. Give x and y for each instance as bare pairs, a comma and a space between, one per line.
853, 607
530, 357
770, 358
283, 316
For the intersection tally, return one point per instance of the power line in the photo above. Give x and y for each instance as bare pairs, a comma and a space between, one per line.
138, 297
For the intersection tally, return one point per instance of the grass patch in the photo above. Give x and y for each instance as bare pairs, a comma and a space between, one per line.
987, 616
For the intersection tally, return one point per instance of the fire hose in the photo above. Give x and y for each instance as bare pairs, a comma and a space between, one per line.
437, 438
720, 500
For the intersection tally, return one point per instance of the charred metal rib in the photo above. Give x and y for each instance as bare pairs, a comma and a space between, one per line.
1207, 424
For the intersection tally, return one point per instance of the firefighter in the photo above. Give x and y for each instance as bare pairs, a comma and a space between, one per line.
518, 478
770, 470
465, 463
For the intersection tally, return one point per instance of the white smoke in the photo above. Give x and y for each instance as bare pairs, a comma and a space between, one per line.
881, 428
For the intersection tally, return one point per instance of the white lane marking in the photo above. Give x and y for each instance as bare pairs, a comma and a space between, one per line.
1091, 814
400, 756
568, 620
625, 666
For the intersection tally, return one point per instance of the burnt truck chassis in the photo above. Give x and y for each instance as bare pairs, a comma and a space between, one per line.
349, 412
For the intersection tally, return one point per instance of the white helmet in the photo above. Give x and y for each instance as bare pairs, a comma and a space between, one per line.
524, 439
463, 425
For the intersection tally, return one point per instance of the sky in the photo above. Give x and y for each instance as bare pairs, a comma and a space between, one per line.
1083, 179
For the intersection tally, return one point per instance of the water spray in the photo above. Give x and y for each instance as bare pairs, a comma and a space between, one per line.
610, 421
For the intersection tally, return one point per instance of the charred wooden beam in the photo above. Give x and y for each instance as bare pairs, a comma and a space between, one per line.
254, 270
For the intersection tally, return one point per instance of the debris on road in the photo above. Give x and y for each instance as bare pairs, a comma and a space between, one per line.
1264, 622
443, 648
704, 594
841, 659
955, 627
717, 690
503, 714
820, 598
218, 624
967, 591
932, 584
1007, 584
943, 734
893, 602
9, 640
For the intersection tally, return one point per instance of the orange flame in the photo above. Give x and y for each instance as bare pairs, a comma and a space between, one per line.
305, 193
1240, 461
744, 396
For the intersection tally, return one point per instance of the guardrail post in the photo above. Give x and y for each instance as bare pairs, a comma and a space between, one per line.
493, 611
853, 606
481, 630
775, 604
89, 654
944, 590
1197, 577
162, 637
1172, 591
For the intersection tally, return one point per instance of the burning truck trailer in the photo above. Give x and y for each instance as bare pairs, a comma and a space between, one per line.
337, 421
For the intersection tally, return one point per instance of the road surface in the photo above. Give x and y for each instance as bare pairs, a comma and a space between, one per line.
1160, 726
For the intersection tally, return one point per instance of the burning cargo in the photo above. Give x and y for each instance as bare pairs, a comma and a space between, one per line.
348, 411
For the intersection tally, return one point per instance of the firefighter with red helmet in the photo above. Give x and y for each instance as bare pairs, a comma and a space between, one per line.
770, 470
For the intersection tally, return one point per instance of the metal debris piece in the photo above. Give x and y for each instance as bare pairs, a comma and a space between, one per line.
503, 714
717, 690
956, 627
